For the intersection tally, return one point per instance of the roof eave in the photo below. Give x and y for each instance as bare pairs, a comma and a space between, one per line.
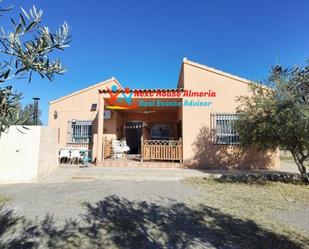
85, 89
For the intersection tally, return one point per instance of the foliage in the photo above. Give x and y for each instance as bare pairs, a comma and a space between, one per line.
27, 49
9, 103
26, 113
278, 116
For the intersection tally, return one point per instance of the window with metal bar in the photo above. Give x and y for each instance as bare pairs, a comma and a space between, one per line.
80, 131
224, 128
160, 131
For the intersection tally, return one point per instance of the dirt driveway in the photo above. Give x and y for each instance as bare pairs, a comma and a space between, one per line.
65, 200
160, 209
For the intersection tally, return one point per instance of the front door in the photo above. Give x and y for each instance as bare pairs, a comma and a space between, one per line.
133, 132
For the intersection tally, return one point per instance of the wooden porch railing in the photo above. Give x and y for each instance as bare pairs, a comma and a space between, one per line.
107, 145
161, 150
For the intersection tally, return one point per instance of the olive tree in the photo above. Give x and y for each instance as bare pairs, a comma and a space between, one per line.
26, 49
278, 116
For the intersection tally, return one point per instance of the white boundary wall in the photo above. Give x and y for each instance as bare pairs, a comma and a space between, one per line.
26, 154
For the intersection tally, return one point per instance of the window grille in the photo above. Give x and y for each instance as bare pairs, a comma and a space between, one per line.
224, 128
160, 131
80, 132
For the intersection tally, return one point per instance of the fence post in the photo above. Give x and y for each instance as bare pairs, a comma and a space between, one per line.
180, 149
104, 149
142, 148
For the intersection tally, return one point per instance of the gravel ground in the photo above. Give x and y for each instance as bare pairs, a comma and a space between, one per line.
298, 218
63, 193
138, 208
135, 213
65, 200
289, 166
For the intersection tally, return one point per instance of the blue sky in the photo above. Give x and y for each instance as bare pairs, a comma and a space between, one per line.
142, 43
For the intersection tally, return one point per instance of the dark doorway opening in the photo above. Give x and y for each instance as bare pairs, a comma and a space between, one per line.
133, 133
179, 129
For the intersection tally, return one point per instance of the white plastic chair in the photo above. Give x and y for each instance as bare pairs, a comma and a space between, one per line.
124, 146
116, 148
75, 156
64, 155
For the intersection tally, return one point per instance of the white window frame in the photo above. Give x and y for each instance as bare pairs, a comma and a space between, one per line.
225, 128
80, 132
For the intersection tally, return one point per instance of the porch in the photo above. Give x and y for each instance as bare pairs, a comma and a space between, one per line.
154, 153
153, 135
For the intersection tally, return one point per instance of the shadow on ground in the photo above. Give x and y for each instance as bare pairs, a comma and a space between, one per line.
119, 223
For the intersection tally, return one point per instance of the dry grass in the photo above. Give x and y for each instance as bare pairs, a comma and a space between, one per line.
257, 202
3, 199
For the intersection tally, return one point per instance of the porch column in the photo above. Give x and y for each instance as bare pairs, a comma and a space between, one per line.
100, 154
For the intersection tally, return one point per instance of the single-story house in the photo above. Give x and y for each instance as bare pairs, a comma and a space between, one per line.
193, 123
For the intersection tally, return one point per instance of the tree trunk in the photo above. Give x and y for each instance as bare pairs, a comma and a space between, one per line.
300, 164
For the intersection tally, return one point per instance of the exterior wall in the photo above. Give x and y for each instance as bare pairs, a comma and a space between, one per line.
114, 127
110, 126
26, 154
199, 150
153, 118
48, 153
77, 106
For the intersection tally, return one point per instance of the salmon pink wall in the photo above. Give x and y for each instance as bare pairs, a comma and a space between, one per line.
199, 150
77, 106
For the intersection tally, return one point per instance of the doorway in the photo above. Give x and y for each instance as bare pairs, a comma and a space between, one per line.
133, 133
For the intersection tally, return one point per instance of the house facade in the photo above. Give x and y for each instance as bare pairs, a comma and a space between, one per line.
193, 123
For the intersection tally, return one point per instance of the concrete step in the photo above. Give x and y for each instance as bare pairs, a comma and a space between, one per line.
137, 164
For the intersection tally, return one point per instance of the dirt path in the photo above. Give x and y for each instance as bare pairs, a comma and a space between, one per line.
78, 210
65, 200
